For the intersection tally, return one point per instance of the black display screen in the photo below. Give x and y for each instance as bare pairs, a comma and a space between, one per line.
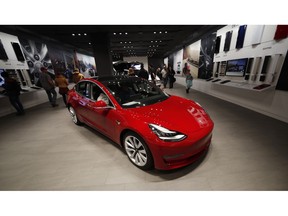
18, 51
218, 42
241, 36
3, 54
228, 40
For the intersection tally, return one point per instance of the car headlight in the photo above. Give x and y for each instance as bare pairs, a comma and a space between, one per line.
165, 134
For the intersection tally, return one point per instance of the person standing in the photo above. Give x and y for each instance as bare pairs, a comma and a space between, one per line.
49, 86
171, 78
13, 88
77, 76
143, 73
62, 83
189, 79
164, 73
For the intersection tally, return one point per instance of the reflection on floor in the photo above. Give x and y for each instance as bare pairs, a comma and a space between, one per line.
44, 150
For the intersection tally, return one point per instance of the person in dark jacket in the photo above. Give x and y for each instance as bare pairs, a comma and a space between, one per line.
143, 73
13, 88
171, 78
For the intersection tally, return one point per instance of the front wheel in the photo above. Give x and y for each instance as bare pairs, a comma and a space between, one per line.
138, 151
74, 116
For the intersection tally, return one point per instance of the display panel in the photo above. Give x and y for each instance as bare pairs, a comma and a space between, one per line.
241, 36
264, 68
236, 67
228, 41
218, 42
18, 51
3, 54
248, 70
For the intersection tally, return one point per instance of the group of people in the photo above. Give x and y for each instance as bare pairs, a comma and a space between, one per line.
12, 87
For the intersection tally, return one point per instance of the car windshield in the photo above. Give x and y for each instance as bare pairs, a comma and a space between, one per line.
135, 92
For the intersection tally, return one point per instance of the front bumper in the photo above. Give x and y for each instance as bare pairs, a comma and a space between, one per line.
179, 154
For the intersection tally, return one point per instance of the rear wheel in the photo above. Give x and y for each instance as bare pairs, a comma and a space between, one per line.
138, 151
74, 116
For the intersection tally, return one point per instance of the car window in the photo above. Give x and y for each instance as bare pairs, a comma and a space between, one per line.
135, 92
81, 88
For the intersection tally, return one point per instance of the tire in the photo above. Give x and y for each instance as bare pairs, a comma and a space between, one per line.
74, 116
138, 151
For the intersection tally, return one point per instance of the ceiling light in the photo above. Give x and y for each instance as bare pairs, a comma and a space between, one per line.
79, 34
151, 41
114, 33
160, 32
73, 34
126, 33
121, 42
120, 33
154, 32
85, 34
166, 32
160, 41
129, 41
89, 43
125, 42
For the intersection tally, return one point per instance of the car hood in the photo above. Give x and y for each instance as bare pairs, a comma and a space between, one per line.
175, 113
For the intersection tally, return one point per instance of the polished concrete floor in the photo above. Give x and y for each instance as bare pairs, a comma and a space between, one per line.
44, 150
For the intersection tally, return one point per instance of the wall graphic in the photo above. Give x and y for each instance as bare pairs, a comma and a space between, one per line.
86, 64
36, 55
191, 55
57, 59
206, 56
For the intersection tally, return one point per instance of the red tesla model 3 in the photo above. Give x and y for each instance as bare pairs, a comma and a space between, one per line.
156, 130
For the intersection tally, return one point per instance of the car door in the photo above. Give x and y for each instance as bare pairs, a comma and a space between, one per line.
82, 89
101, 119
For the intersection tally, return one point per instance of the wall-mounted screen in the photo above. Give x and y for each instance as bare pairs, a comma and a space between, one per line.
241, 36
3, 54
228, 41
18, 51
236, 67
217, 45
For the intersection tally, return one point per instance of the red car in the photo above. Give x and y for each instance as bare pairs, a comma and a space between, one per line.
157, 130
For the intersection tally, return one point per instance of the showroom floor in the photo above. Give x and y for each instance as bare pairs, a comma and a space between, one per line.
44, 150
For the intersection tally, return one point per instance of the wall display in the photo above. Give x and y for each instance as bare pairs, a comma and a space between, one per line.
206, 56
257, 33
86, 64
18, 51
241, 36
57, 59
177, 59
228, 40
264, 68
281, 32
3, 54
191, 55
236, 67
282, 83
248, 69
217, 45
256, 68
223, 66
37, 56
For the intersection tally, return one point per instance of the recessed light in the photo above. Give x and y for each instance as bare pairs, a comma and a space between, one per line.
89, 43
120, 33
121, 42
160, 32
79, 34
114, 33
85, 34
126, 33
73, 34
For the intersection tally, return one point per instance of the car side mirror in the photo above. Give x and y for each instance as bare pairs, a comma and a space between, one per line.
101, 105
